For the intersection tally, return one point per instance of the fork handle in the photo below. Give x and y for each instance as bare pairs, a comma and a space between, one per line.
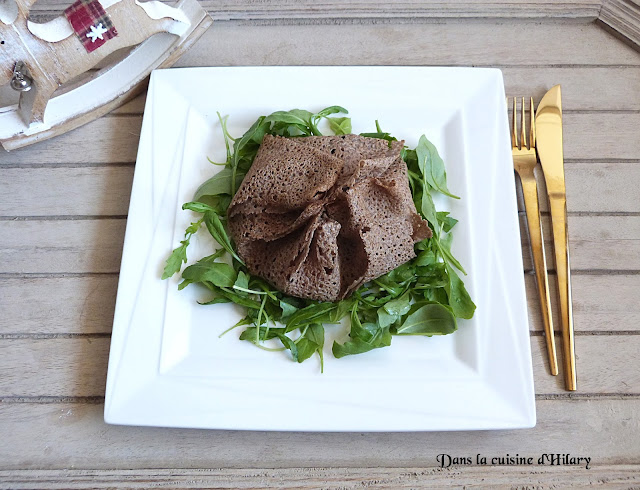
558, 205
530, 193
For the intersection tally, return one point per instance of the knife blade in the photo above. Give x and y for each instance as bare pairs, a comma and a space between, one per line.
550, 153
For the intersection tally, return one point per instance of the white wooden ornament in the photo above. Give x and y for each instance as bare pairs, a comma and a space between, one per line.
50, 55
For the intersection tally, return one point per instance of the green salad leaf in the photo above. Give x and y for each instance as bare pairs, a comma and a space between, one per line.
425, 296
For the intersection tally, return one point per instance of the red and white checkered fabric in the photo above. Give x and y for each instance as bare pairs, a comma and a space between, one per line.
84, 15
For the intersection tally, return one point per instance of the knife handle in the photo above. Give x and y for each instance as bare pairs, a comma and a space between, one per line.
558, 205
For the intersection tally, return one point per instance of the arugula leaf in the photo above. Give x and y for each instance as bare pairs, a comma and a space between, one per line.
176, 259
197, 207
210, 258
295, 116
218, 232
289, 344
334, 109
249, 142
287, 309
429, 209
314, 313
241, 285
340, 125
238, 299
431, 276
378, 337
459, 299
425, 257
399, 306
385, 318
364, 337
426, 318
179, 254
219, 184
310, 342
436, 295
342, 309
446, 221
432, 166
264, 334
217, 273
444, 246
324, 113
350, 348
380, 135
216, 255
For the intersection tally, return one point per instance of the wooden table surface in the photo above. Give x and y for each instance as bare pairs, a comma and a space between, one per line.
63, 211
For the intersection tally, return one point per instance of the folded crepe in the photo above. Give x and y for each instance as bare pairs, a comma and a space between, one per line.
319, 216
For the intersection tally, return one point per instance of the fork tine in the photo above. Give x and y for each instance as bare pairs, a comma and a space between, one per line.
514, 137
523, 125
532, 128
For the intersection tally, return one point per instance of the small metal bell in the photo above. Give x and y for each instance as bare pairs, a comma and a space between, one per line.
21, 81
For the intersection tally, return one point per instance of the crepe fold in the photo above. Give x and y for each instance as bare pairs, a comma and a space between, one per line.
319, 216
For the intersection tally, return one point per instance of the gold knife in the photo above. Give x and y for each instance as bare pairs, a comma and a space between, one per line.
549, 147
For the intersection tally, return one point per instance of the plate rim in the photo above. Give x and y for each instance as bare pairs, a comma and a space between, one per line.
113, 415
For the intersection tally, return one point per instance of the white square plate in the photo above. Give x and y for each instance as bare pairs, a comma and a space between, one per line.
167, 366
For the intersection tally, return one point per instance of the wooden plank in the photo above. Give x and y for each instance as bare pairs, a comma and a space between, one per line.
622, 17
82, 246
105, 191
57, 305
601, 135
78, 366
592, 136
581, 87
62, 435
613, 476
66, 246
601, 187
84, 305
54, 367
334, 9
136, 106
105, 140
440, 43
592, 237
601, 303
616, 309
102, 191
604, 364
72, 305
595, 243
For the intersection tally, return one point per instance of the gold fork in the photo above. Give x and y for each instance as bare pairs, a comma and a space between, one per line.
524, 162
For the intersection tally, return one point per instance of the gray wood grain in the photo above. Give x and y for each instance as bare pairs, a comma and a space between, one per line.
622, 18
114, 139
59, 261
77, 367
73, 435
597, 243
582, 87
378, 9
84, 305
57, 305
387, 43
592, 187
618, 476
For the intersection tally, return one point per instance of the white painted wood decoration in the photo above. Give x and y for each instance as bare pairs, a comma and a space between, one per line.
38, 59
